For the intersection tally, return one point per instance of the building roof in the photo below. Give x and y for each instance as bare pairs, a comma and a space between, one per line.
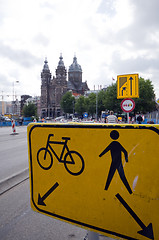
46, 67
75, 67
61, 63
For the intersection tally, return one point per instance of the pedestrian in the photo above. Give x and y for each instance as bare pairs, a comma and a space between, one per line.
139, 119
111, 118
116, 150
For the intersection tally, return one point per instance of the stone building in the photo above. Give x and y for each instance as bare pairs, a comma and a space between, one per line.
53, 88
75, 78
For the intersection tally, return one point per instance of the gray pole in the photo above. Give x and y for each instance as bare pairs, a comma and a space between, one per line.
97, 105
93, 235
128, 117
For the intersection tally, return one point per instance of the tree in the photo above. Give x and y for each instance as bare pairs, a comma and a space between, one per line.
91, 104
100, 101
146, 101
67, 102
110, 101
80, 106
30, 110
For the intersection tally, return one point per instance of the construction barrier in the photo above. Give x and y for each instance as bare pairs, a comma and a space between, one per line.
13, 126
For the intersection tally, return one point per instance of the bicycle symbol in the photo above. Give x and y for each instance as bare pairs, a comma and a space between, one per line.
72, 160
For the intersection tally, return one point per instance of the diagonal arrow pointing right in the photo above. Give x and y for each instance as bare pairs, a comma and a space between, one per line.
146, 231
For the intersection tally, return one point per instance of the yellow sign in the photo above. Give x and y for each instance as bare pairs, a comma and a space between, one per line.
157, 101
128, 86
97, 176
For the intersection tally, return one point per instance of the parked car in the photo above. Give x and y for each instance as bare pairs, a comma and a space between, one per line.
48, 118
7, 119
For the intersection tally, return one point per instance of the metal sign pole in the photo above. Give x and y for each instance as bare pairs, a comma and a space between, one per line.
128, 117
93, 235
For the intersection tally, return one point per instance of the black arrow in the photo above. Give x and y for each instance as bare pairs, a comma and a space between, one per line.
41, 199
131, 85
146, 231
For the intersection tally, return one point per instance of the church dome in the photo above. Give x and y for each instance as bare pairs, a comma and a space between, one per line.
46, 67
61, 63
75, 67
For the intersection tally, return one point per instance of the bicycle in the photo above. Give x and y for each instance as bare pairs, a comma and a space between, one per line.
72, 160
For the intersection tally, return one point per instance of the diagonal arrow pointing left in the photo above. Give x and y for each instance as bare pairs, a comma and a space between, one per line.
146, 231
41, 199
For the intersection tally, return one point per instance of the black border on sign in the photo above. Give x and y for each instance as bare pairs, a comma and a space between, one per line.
104, 126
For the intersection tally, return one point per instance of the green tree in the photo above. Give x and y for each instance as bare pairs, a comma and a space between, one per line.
30, 110
67, 102
100, 101
91, 104
146, 101
110, 101
80, 106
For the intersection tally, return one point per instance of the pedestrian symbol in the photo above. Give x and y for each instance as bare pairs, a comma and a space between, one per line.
116, 149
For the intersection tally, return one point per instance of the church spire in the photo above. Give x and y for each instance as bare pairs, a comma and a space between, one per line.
46, 67
61, 72
61, 63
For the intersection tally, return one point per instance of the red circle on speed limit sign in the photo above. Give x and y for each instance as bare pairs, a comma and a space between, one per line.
127, 105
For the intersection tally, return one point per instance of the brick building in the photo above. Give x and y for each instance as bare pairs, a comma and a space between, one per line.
53, 88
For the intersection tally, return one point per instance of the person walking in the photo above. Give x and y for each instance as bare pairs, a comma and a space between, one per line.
139, 119
111, 118
116, 150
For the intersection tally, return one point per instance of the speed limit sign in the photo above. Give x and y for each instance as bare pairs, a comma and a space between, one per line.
127, 105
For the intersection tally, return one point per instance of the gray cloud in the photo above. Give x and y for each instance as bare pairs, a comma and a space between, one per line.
145, 24
22, 57
5, 85
3, 80
140, 32
107, 7
3, 7
139, 64
146, 13
47, 5
41, 39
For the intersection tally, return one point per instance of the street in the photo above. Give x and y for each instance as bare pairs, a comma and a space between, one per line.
13, 151
17, 220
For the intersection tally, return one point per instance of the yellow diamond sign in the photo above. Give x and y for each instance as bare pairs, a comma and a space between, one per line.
128, 86
98, 176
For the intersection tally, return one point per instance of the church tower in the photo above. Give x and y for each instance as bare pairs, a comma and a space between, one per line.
75, 78
45, 84
60, 85
61, 73
53, 88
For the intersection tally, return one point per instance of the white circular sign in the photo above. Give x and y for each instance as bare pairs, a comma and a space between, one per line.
127, 105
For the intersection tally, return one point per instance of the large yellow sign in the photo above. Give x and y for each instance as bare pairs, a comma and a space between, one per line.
128, 86
98, 176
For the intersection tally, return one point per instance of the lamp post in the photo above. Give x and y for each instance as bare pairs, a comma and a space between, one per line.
14, 95
73, 107
97, 105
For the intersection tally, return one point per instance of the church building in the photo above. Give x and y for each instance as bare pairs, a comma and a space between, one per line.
53, 88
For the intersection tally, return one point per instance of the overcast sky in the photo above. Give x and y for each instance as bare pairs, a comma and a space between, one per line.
109, 38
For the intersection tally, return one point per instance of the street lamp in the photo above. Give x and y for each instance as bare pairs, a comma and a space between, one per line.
97, 105
73, 107
14, 95
13, 88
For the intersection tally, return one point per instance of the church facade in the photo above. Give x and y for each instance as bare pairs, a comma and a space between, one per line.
53, 88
